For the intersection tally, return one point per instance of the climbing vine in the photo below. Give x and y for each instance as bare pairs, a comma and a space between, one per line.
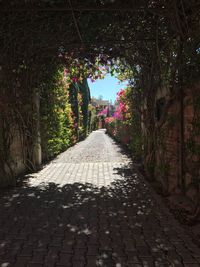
56, 116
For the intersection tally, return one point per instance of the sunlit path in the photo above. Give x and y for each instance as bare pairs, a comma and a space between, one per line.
89, 208
91, 161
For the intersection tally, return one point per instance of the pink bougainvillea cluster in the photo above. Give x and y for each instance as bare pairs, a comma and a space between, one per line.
70, 78
121, 109
103, 112
79, 70
119, 124
121, 94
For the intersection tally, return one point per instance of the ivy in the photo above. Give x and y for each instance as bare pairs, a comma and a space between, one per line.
56, 119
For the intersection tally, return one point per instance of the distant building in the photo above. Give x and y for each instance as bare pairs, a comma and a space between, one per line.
99, 103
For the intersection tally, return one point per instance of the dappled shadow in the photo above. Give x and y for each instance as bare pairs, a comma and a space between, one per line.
83, 225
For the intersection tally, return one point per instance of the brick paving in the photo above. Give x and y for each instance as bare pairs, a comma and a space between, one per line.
89, 207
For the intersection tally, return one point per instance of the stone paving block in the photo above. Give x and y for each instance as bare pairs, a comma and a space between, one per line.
78, 263
64, 258
49, 264
18, 244
67, 248
120, 260
33, 264
27, 251
51, 259
78, 257
147, 262
10, 255
6, 264
91, 261
143, 251
132, 257
119, 251
105, 243
22, 261
63, 265
187, 258
133, 264
159, 264
92, 250
39, 255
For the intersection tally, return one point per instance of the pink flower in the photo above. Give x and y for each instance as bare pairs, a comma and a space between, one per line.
74, 79
103, 112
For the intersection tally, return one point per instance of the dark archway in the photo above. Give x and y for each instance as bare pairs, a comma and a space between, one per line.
158, 41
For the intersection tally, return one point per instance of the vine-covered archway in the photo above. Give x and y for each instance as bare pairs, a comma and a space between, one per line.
153, 44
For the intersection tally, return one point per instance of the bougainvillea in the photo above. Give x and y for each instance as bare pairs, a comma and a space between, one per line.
78, 70
103, 112
122, 111
119, 125
109, 120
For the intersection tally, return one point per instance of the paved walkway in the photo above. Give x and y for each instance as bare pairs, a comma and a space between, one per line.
89, 208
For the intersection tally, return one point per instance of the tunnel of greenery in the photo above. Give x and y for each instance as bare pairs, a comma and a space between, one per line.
48, 50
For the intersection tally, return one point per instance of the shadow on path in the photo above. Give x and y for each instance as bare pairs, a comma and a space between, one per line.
83, 225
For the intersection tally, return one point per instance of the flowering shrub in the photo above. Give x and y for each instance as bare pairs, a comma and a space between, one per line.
119, 125
56, 117
123, 108
109, 120
64, 112
103, 112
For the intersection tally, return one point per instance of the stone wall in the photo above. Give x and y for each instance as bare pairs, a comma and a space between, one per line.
173, 179
20, 149
192, 142
14, 165
17, 153
167, 154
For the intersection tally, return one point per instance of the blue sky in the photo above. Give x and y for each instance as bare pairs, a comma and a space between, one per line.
108, 87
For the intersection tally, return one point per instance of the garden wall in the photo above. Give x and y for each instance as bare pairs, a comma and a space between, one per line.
172, 156
167, 150
177, 150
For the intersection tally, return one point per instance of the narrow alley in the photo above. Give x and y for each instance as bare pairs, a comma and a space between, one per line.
88, 208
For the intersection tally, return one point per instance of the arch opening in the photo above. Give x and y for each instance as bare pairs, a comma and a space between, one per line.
152, 44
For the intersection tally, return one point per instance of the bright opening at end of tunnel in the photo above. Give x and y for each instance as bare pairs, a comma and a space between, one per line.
106, 88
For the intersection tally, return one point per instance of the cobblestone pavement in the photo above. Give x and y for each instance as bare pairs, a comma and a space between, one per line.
90, 208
